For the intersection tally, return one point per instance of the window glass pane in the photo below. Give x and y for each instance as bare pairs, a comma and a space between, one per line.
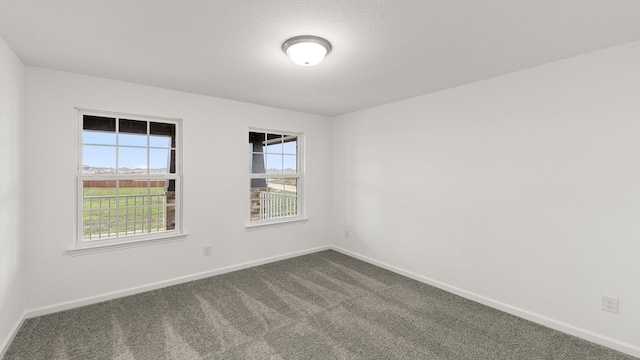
172, 167
274, 144
133, 126
291, 186
157, 217
98, 209
170, 213
98, 159
132, 140
160, 141
291, 196
99, 123
132, 160
291, 145
98, 137
280, 199
112, 223
159, 161
157, 206
137, 206
274, 164
256, 141
256, 194
257, 163
163, 130
276, 185
170, 185
134, 197
143, 216
290, 165
276, 200
139, 199
258, 183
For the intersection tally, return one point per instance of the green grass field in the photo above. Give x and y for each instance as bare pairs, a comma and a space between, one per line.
125, 191
133, 212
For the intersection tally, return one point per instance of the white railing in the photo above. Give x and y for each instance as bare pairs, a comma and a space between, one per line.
105, 217
274, 205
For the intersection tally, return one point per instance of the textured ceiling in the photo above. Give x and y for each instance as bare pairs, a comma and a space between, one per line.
382, 50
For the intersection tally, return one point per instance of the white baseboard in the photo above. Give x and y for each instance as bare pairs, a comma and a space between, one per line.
4, 346
528, 315
542, 320
161, 284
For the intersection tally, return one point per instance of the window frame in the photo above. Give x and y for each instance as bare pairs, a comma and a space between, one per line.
82, 246
300, 182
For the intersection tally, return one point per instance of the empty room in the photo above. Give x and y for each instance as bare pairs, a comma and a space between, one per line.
339, 179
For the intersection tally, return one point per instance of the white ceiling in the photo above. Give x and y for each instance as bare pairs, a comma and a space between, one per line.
382, 50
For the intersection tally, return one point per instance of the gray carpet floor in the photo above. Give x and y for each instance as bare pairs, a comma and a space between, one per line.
320, 306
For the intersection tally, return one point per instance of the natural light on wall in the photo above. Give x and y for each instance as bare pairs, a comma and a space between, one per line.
306, 50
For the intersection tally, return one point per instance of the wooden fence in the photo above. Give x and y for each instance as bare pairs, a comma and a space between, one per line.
123, 183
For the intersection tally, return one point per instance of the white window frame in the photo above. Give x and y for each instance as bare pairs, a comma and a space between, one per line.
81, 246
300, 183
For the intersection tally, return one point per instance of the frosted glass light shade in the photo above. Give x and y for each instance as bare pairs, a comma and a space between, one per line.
306, 50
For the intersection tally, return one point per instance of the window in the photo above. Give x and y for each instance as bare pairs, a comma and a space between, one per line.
128, 179
276, 177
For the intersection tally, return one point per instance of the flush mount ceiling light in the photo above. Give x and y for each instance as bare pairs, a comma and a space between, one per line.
306, 50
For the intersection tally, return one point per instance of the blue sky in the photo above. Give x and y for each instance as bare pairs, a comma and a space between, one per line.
102, 152
133, 152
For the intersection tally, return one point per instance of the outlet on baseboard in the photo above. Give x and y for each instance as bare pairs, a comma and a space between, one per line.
610, 304
207, 251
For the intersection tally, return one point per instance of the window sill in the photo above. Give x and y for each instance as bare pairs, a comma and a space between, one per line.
266, 224
93, 249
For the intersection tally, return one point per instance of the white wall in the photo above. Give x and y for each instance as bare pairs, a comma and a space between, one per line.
522, 191
12, 261
216, 194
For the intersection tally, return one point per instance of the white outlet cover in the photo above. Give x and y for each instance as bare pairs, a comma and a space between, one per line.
610, 304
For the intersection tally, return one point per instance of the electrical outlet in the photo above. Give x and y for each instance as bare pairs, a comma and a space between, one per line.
610, 304
207, 251
346, 233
